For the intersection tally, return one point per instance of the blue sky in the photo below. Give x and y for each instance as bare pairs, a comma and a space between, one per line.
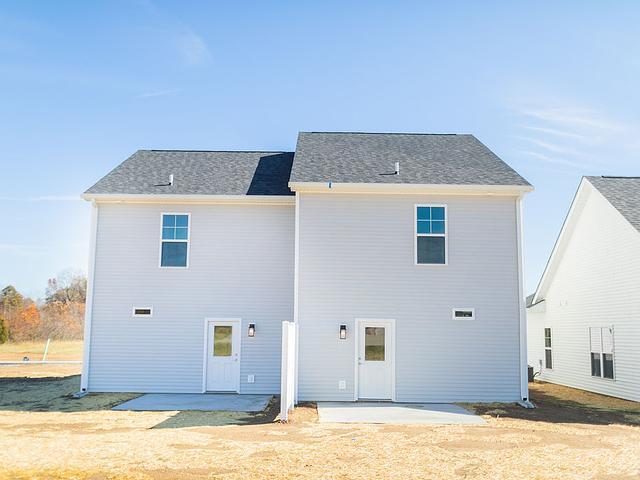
551, 87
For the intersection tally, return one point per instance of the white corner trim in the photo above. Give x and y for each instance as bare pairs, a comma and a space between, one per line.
296, 286
524, 374
88, 313
409, 188
191, 199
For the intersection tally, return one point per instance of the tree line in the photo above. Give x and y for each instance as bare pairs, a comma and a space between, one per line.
60, 315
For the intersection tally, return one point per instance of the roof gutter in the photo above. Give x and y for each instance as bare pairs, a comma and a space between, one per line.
190, 199
408, 188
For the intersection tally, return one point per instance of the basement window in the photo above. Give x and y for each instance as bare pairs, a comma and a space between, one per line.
602, 353
463, 314
142, 311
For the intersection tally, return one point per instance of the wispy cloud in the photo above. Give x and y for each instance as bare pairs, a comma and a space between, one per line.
550, 146
573, 136
572, 117
559, 133
192, 48
159, 93
554, 160
43, 198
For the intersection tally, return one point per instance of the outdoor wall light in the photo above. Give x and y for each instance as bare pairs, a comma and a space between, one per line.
343, 332
252, 330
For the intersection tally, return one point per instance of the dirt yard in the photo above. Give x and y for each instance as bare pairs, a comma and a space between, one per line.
572, 435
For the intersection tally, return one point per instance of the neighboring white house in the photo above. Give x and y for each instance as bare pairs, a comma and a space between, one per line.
397, 257
583, 320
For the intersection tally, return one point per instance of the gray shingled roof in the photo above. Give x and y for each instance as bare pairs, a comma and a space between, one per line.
199, 173
424, 159
623, 193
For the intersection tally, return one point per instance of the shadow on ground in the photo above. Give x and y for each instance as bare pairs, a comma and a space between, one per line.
558, 404
185, 419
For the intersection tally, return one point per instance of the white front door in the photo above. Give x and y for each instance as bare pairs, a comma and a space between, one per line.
376, 355
223, 356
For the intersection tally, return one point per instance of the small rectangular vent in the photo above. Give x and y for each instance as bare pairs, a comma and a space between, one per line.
142, 312
463, 314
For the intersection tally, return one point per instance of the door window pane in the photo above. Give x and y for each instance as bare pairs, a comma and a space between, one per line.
222, 341
374, 344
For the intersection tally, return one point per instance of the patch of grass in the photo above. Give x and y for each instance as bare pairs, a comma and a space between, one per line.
53, 395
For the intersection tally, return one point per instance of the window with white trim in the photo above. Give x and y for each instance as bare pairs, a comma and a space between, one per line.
548, 356
431, 234
174, 243
601, 355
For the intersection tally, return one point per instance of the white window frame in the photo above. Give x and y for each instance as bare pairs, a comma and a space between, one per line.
601, 353
187, 241
472, 310
134, 314
416, 235
544, 344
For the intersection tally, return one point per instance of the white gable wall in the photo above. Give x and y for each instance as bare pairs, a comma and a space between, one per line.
240, 266
596, 283
357, 261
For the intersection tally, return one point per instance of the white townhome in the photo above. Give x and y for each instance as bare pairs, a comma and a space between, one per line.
583, 327
396, 257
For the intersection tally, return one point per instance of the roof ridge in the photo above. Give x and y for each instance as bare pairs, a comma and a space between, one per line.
213, 151
617, 176
388, 133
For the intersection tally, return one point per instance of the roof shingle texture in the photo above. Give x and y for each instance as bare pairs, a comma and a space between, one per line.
424, 159
199, 173
623, 193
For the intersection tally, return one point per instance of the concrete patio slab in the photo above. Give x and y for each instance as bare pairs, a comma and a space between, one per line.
396, 413
229, 402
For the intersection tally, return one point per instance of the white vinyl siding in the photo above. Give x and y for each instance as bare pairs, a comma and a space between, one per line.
357, 260
240, 266
595, 285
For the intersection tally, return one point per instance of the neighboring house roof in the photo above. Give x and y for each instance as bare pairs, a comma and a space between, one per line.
623, 193
424, 159
147, 172
529, 300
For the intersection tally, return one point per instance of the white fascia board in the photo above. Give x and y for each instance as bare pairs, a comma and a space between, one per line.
577, 204
191, 199
409, 188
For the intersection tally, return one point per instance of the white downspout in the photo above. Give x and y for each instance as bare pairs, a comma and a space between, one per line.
524, 376
88, 313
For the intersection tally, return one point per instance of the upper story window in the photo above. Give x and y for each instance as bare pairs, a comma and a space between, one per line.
431, 234
174, 248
